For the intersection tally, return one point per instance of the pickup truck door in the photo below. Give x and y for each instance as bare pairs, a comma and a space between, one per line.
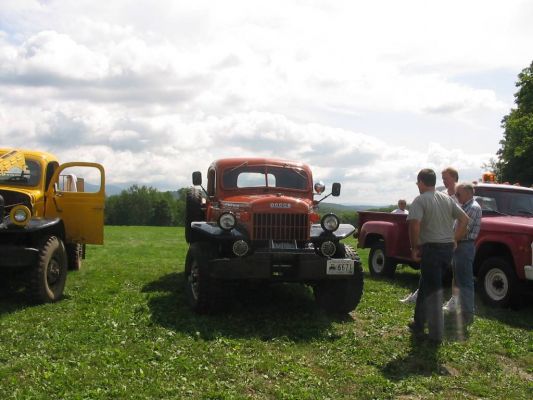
77, 202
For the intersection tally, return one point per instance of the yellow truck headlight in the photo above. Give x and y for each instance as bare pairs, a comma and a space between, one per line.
20, 215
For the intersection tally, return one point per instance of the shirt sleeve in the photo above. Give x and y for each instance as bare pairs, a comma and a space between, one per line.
416, 211
457, 211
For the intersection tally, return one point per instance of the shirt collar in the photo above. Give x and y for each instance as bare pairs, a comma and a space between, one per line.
468, 203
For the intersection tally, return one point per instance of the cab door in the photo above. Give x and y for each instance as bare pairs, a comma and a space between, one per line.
76, 194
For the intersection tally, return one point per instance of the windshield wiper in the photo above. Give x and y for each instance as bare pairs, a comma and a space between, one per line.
239, 166
525, 212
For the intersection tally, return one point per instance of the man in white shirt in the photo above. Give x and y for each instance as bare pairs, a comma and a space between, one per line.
402, 204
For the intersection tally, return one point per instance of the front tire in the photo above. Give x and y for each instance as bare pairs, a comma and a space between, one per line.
48, 276
497, 282
378, 263
341, 296
201, 290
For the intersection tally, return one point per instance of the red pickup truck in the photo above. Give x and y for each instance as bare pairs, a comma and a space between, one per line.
503, 265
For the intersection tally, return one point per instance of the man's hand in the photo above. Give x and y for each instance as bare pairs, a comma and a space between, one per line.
415, 254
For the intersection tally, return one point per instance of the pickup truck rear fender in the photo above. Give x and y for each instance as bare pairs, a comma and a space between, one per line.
373, 231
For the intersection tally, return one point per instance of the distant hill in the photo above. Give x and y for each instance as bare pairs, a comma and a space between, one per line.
341, 208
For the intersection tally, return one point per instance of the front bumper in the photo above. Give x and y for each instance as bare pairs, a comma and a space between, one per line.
17, 256
283, 266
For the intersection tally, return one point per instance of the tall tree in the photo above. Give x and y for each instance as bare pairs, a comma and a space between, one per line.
516, 153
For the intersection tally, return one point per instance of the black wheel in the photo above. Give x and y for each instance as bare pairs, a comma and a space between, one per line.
378, 263
203, 293
341, 296
74, 256
48, 276
497, 282
193, 212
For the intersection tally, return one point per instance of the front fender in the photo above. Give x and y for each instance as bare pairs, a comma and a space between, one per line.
210, 231
35, 224
318, 233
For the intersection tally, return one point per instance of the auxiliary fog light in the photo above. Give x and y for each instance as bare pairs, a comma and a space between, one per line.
20, 215
328, 248
240, 248
330, 222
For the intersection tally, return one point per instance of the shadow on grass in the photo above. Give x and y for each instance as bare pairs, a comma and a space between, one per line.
262, 312
421, 360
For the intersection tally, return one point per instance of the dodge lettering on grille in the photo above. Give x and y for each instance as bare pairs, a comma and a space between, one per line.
280, 205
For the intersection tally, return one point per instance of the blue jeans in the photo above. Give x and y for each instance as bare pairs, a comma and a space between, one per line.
463, 260
436, 258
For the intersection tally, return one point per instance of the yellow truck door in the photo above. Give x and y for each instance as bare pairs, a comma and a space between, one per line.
76, 194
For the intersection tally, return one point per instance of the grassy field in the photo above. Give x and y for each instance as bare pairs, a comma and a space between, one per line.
124, 331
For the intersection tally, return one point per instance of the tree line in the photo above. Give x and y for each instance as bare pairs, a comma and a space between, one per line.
144, 205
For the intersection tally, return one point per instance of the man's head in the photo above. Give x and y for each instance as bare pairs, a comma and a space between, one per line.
426, 180
402, 204
450, 177
464, 192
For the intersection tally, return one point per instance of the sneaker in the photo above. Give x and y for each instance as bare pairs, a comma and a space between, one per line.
451, 305
411, 299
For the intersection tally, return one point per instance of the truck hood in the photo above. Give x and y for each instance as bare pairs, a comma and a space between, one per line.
268, 203
508, 224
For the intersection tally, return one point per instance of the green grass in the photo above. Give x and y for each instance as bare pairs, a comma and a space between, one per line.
124, 331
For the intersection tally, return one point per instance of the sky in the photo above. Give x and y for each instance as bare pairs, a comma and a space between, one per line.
366, 93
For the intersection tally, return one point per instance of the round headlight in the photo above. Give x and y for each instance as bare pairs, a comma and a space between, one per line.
227, 221
20, 215
330, 222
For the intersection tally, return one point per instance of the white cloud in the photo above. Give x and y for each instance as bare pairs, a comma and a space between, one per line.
367, 93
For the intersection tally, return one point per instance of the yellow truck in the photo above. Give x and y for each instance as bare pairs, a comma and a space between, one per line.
48, 212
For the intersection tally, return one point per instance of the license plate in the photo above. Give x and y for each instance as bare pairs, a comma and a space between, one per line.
337, 266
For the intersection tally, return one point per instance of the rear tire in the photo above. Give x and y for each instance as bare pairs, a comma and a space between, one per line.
378, 263
341, 296
48, 276
193, 213
74, 256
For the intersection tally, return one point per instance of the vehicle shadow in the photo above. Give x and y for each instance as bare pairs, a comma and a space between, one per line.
264, 312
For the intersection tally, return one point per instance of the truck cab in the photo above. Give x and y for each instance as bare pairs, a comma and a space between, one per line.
48, 212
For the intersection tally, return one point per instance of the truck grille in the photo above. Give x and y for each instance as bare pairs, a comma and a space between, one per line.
281, 227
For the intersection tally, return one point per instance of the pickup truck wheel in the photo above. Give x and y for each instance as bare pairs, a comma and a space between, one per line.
201, 290
497, 282
341, 296
48, 277
74, 256
193, 212
378, 263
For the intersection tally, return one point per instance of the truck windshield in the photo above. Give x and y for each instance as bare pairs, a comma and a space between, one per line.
246, 176
505, 202
29, 176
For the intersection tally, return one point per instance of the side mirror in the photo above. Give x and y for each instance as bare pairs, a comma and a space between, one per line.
319, 187
336, 189
196, 178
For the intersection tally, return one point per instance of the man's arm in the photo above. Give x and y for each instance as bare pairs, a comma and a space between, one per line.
414, 233
462, 224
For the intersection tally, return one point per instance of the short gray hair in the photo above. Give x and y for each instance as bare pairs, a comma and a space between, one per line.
467, 186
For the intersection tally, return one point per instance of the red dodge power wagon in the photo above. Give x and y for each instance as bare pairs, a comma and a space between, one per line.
257, 221
503, 264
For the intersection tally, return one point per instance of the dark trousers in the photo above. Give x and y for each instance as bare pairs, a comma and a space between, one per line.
436, 258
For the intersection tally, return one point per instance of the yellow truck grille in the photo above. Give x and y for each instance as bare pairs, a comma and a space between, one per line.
280, 226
